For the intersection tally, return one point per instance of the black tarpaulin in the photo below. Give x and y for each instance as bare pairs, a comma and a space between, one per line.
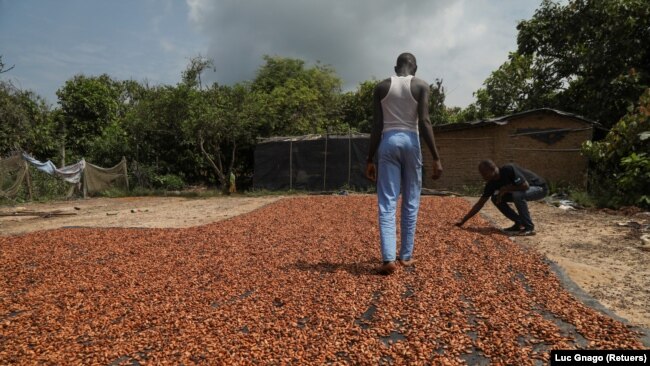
312, 163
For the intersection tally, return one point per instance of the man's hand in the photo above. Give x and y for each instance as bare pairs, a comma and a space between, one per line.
371, 171
437, 169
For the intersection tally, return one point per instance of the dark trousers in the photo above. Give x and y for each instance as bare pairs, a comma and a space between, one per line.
520, 199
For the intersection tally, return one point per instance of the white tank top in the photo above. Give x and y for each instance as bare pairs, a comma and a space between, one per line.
399, 108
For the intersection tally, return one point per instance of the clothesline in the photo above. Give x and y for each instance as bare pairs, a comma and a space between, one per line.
70, 173
94, 178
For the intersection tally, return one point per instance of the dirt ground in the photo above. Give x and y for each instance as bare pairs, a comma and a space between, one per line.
608, 261
603, 258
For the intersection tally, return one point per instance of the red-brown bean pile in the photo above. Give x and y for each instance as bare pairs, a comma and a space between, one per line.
292, 283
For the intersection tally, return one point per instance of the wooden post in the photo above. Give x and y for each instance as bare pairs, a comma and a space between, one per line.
28, 181
290, 165
63, 146
84, 182
349, 154
325, 158
126, 173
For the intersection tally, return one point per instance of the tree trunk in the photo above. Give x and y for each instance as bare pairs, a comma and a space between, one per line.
232, 157
218, 169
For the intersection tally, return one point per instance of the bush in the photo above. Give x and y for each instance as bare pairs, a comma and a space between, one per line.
581, 197
621, 162
170, 182
141, 175
47, 187
149, 178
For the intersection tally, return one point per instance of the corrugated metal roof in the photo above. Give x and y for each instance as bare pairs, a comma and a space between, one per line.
262, 140
503, 120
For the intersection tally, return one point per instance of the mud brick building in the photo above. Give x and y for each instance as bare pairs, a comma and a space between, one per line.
545, 141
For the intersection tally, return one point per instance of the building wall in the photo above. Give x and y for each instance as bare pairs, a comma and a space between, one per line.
460, 152
557, 158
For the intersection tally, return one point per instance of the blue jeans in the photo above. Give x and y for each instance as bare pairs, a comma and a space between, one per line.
399, 168
519, 198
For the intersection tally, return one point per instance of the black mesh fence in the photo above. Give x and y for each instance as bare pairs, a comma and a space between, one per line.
321, 163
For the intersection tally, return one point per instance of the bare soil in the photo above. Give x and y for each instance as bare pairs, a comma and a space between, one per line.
603, 258
142, 212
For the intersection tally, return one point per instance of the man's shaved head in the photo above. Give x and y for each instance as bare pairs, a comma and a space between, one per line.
486, 165
488, 169
406, 59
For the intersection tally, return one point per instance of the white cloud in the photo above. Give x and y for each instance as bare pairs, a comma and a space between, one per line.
459, 41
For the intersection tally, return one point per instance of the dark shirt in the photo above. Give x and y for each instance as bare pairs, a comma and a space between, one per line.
512, 174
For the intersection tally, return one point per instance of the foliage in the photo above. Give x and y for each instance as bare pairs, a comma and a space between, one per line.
438, 113
289, 99
621, 162
169, 182
593, 53
470, 113
110, 145
215, 126
25, 122
47, 187
44, 188
192, 74
582, 197
154, 127
88, 105
356, 107
521, 83
635, 176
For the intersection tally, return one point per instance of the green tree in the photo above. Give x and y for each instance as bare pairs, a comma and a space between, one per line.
521, 83
468, 114
26, 122
437, 110
164, 112
192, 74
597, 50
214, 128
357, 106
289, 99
89, 105
117, 136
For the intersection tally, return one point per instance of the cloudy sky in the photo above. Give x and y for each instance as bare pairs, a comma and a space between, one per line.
459, 41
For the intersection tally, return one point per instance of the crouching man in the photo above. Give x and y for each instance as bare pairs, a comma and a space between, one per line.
509, 183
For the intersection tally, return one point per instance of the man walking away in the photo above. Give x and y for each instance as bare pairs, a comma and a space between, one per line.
401, 114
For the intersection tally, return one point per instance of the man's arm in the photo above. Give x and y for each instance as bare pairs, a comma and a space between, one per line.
377, 122
377, 128
519, 182
512, 187
424, 125
475, 209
